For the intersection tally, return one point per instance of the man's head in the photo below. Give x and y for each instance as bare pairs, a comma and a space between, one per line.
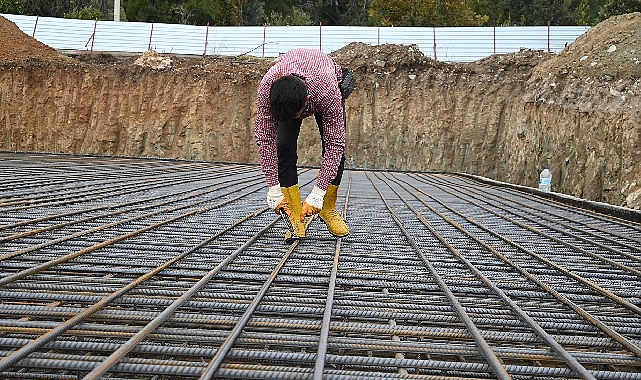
287, 97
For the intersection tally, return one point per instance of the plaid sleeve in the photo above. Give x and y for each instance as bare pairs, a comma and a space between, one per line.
265, 134
321, 75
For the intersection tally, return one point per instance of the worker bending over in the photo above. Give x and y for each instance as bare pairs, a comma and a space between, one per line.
302, 83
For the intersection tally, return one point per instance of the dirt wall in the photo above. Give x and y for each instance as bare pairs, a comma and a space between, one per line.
499, 118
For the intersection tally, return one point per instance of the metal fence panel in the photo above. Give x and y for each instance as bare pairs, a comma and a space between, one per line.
457, 44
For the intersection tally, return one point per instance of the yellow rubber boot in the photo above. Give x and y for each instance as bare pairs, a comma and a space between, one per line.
292, 195
335, 224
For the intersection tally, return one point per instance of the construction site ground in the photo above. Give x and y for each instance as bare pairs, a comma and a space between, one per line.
132, 268
135, 242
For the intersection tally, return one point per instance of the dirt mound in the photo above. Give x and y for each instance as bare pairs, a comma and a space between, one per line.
609, 50
523, 59
599, 71
388, 57
16, 45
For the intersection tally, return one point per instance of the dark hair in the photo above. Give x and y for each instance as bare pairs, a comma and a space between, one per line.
287, 96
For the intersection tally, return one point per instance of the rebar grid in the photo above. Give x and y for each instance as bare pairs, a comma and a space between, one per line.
134, 268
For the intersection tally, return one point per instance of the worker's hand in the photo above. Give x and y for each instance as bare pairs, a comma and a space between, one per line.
275, 199
313, 203
308, 210
284, 205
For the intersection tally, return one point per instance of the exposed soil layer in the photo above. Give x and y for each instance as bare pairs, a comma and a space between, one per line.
502, 117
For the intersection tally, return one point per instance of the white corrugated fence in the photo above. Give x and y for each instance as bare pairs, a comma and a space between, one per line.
457, 44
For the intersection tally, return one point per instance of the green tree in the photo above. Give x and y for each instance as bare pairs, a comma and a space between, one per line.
295, 17
425, 13
150, 10
16, 7
227, 12
619, 7
281, 6
86, 13
103, 6
502, 12
195, 12
338, 12
586, 12
537, 12
252, 12
401, 12
59, 8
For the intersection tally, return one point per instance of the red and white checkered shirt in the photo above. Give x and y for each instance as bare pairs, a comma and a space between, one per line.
321, 75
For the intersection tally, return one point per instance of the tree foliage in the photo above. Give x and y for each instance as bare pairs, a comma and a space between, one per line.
12, 6
538, 12
252, 12
336, 12
296, 17
587, 12
86, 13
195, 12
78, 8
425, 13
618, 7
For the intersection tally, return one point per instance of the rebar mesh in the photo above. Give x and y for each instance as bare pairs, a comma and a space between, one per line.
139, 268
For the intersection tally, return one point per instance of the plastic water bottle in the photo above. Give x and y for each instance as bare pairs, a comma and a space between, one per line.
545, 179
